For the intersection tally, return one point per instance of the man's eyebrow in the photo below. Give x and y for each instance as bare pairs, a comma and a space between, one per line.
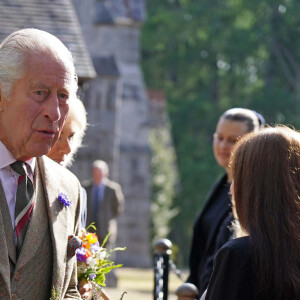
38, 85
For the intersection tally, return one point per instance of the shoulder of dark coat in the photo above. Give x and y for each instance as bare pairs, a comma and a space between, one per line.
87, 183
219, 183
112, 184
239, 245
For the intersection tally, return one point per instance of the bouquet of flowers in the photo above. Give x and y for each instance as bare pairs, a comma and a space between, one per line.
93, 259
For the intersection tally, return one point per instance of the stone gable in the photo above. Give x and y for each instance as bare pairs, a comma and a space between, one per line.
116, 102
57, 17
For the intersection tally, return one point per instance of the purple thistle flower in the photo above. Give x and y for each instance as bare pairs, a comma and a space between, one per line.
80, 254
92, 276
63, 198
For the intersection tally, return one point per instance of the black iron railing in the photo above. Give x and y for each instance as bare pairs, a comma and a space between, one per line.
162, 265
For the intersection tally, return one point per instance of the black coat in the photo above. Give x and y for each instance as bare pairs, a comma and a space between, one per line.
232, 277
210, 233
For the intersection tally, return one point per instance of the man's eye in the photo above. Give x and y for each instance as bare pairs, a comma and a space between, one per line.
40, 93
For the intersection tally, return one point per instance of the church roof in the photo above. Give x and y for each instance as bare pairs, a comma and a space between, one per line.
55, 16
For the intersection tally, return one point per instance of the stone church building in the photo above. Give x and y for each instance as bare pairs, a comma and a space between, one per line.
118, 116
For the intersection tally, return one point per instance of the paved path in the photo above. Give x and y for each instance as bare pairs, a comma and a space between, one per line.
138, 283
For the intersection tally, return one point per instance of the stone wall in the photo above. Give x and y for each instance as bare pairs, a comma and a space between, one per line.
117, 113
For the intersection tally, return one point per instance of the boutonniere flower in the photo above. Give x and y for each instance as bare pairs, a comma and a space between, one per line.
63, 198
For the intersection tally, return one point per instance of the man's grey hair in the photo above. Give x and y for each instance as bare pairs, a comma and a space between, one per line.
16, 48
102, 165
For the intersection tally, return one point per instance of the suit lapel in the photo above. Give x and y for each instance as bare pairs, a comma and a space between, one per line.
211, 196
4, 258
7, 247
6, 219
58, 223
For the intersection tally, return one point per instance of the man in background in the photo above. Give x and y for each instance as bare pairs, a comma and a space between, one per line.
105, 202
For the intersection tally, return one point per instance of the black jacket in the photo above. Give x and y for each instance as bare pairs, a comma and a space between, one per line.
232, 274
233, 277
210, 233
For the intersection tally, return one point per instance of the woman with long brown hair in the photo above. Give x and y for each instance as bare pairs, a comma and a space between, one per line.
266, 193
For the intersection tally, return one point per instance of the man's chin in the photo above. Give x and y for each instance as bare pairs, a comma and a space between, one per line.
39, 151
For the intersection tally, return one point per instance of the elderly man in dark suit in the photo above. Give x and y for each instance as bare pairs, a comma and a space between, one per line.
39, 200
105, 202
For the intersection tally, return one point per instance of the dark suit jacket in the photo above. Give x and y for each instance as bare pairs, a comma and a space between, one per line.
232, 274
51, 180
110, 207
209, 235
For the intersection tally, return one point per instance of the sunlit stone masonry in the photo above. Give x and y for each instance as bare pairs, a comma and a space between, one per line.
116, 102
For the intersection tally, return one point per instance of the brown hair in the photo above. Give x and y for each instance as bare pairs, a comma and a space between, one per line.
266, 174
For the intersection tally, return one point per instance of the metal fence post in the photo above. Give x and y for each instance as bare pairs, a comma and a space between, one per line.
187, 291
161, 258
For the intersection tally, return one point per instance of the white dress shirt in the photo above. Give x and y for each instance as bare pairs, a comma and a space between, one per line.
9, 178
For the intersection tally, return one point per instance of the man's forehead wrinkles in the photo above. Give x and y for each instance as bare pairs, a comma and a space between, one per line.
39, 84
50, 83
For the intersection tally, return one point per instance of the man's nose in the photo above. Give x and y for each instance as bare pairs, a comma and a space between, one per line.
52, 109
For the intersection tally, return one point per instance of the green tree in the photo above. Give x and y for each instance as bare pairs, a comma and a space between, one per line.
211, 55
164, 180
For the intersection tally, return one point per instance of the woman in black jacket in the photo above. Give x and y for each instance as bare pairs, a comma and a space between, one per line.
211, 226
266, 193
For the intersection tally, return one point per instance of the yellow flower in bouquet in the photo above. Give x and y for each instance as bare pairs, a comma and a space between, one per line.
91, 238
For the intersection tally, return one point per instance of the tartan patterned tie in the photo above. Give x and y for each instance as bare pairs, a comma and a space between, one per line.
24, 202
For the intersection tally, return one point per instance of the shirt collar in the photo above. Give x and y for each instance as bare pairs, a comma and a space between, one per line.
6, 158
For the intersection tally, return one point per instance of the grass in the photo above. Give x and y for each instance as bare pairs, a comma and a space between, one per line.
138, 284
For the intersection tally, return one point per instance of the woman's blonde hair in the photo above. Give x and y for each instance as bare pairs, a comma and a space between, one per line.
77, 114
